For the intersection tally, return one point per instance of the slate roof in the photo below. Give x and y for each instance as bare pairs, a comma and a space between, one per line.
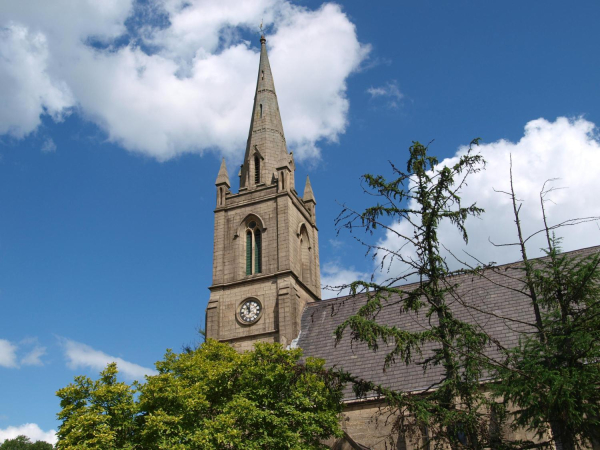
496, 303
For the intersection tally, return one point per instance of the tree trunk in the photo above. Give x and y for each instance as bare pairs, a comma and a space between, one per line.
562, 440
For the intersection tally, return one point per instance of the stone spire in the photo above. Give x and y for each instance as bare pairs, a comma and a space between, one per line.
223, 177
308, 192
266, 146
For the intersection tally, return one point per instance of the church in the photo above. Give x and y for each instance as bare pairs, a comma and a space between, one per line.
266, 247
266, 283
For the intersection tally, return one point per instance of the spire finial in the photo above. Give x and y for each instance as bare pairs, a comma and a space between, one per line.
262, 33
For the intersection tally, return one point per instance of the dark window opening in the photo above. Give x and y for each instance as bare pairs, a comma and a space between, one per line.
257, 251
263, 74
249, 253
253, 249
305, 265
261, 110
256, 170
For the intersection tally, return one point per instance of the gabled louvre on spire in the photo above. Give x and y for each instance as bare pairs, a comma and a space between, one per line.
266, 141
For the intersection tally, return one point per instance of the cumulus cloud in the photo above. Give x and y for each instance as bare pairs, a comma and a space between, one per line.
28, 90
31, 430
567, 149
334, 276
183, 84
8, 354
83, 356
390, 92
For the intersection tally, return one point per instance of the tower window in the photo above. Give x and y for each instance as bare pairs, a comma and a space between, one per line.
261, 110
305, 257
262, 74
253, 249
257, 251
248, 252
256, 170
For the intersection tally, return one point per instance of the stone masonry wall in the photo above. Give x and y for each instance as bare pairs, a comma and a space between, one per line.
369, 424
278, 287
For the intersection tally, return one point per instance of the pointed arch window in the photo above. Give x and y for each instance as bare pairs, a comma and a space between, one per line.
257, 251
253, 248
305, 257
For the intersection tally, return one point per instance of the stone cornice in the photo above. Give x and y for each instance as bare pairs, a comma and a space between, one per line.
257, 278
268, 196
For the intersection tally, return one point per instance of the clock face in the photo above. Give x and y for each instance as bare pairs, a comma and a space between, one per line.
250, 311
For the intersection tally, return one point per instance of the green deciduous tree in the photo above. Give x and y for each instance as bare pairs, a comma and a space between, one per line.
97, 414
23, 443
213, 397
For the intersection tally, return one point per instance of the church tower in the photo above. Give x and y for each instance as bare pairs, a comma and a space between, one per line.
266, 249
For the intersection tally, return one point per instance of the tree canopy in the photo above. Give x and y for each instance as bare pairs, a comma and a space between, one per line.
24, 443
452, 411
211, 397
553, 375
548, 384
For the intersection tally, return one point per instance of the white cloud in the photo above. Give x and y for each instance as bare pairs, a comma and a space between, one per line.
194, 92
334, 277
389, 91
67, 21
8, 354
313, 54
28, 91
10, 359
33, 357
31, 430
48, 146
564, 149
336, 244
81, 355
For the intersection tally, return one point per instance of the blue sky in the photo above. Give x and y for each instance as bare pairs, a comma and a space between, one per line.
115, 116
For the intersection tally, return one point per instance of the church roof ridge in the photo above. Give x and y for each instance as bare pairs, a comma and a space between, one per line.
583, 252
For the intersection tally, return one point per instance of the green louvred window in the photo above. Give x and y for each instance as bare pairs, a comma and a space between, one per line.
257, 252
248, 253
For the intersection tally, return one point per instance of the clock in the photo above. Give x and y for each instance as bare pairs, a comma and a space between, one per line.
250, 311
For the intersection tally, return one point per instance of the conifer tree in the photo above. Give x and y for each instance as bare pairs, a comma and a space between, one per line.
453, 411
548, 384
552, 378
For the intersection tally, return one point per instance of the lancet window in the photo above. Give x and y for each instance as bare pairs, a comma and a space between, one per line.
253, 248
305, 257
